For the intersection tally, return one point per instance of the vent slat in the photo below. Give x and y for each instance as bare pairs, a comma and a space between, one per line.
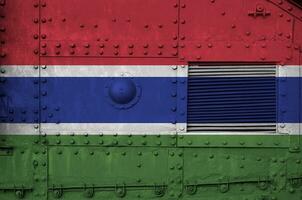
233, 95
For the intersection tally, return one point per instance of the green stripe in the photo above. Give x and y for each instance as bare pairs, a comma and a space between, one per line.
188, 167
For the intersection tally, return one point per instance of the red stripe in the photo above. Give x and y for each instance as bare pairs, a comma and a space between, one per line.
149, 32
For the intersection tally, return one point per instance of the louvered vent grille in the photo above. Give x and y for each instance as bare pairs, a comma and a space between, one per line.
232, 98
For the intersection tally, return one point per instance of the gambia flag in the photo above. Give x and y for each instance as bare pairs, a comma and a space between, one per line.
154, 99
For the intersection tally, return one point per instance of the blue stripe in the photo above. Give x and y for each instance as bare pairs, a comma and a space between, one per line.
20, 100
160, 100
85, 100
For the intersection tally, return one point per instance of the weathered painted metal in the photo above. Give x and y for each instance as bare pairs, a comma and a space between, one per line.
94, 99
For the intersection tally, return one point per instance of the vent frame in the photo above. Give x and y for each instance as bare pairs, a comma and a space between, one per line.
241, 70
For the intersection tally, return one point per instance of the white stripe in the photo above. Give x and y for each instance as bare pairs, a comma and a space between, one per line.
118, 70
110, 71
109, 128
289, 128
19, 71
281, 129
289, 71
19, 129
129, 128
228, 133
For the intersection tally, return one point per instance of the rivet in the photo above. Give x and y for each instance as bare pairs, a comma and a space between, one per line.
72, 45
36, 51
3, 54
58, 45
